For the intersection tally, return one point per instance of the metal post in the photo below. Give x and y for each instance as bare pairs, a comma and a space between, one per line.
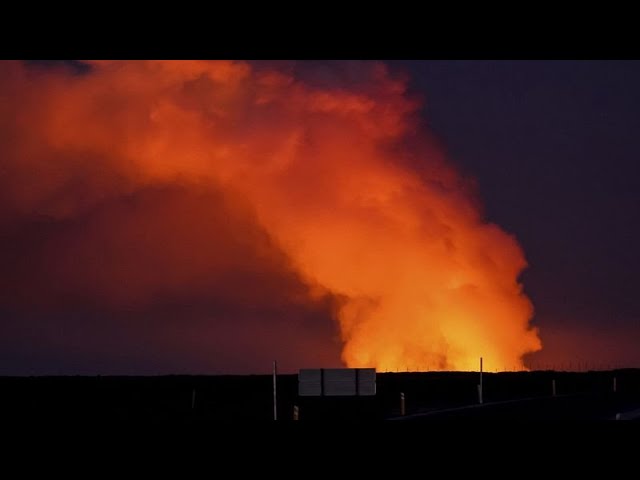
402, 409
275, 399
553, 387
615, 384
480, 386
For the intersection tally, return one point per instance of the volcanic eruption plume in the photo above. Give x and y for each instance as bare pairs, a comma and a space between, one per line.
326, 176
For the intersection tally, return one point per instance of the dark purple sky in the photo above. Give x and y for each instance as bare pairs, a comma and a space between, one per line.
555, 148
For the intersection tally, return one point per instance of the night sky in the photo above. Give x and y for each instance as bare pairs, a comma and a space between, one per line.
554, 146
111, 266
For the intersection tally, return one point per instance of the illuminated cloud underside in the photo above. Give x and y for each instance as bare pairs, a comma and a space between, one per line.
332, 187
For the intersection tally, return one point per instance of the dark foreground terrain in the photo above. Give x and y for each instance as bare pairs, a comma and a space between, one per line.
429, 397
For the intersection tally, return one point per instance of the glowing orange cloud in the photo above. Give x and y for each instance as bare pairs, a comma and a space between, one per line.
363, 204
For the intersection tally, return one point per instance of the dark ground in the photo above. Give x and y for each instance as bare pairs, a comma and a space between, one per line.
430, 397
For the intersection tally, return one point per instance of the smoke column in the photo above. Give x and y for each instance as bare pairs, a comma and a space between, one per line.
347, 189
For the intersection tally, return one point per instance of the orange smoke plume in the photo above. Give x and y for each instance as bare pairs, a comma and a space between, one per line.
338, 173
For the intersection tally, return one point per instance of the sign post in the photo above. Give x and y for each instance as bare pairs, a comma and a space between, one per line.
275, 398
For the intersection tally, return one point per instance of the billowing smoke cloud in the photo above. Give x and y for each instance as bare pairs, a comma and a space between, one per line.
243, 209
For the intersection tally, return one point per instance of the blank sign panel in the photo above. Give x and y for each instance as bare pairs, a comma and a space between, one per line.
337, 382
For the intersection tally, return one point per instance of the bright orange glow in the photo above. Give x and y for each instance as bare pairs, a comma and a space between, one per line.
363, 205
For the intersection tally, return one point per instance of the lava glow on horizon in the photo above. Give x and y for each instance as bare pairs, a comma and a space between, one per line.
335, 169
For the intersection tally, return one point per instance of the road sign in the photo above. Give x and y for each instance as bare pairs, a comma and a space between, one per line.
329, 382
